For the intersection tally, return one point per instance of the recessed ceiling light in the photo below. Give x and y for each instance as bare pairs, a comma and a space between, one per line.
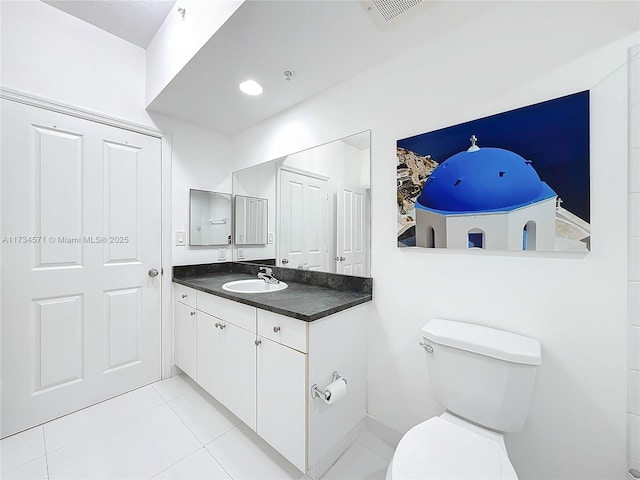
251, 87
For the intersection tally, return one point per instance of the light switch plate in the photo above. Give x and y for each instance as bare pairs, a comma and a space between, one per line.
181, 238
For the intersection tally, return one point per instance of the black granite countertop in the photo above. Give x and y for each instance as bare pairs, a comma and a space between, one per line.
307, 300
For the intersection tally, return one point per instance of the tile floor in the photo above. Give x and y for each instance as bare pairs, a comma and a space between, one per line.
169, 430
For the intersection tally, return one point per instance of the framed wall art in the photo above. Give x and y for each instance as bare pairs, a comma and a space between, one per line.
517, 180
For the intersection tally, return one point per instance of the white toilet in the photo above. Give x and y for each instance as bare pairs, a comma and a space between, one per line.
484, 377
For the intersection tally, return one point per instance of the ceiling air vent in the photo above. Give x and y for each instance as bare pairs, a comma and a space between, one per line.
389, 9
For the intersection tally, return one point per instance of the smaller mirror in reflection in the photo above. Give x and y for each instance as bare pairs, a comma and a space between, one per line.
210, 218
251, 220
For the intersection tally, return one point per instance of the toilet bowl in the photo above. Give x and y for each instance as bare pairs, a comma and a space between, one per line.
484, 378
447, 447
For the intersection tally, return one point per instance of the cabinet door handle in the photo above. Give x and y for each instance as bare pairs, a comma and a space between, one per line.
192, 313
258, 342
222, 325
184, 295
217, 325
276, 329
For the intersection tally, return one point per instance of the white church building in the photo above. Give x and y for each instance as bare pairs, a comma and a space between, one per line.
488, 198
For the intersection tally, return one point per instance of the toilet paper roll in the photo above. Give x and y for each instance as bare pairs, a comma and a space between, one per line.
335, 390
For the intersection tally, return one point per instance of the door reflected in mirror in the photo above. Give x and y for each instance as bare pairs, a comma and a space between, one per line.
317, 205
251, 220
209, 218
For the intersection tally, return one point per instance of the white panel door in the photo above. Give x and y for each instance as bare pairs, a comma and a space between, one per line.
351, 244
80, 232
303, 217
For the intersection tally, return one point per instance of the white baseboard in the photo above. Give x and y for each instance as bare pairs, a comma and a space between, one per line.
325, 463
382, 431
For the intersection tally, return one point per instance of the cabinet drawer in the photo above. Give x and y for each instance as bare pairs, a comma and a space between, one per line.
285, 330
239, 314
185, 295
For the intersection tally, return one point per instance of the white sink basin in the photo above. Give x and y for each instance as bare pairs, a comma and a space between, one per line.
253, 286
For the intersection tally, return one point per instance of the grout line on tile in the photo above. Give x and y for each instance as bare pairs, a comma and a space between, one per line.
375, 453
191, 431
108, 428
174, 463
4, 472
153, 385
217, 461
46, 452
337, 460
213, 439
110, 425
222, 435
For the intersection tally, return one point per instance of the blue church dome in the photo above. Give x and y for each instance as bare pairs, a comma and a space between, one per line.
483, 180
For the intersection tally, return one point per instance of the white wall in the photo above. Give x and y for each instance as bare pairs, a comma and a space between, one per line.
200, 159
517, 54
633, 418
178, 39
49, 53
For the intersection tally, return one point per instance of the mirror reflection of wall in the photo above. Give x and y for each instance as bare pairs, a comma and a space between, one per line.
251, 220
209, 218
258, 182
319, 216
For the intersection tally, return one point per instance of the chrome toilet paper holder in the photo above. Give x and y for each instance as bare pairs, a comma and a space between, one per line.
316, 392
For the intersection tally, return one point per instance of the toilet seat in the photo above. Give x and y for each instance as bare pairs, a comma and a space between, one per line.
443, 449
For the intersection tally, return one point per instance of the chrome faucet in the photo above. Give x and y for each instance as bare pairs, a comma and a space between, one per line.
266, 274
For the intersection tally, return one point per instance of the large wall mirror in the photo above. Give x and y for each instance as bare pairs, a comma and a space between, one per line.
318, 208
209, 218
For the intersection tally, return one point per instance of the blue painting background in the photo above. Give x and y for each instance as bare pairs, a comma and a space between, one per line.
554, 135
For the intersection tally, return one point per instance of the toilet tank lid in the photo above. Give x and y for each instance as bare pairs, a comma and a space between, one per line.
491, 342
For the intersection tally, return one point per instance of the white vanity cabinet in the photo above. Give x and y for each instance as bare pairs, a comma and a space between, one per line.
184, 315
261, 366
282, 385
209, 354
239, 373
227, 365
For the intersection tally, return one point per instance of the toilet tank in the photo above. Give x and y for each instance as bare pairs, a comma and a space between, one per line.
482, 374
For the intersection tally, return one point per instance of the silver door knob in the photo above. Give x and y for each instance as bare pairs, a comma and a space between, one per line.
258, 342
342, 259
285, 261
153, 272
192, 313
276, 329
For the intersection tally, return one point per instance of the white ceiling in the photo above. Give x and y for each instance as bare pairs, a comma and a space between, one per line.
323, 42
135, 21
